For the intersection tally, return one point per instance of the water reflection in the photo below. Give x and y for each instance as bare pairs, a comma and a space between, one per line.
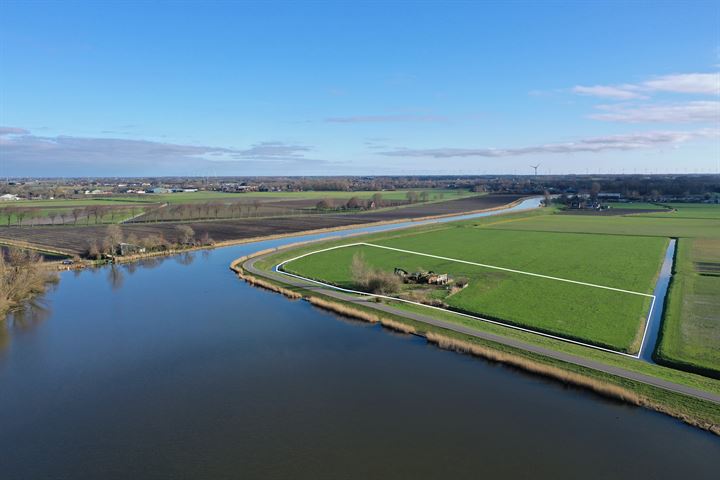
24, 319
186, 258
116, 278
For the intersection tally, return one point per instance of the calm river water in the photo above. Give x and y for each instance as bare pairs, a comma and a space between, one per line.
176, 369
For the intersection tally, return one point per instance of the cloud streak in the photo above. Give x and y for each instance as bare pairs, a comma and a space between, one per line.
684, 83
13, 131
24, 152
591, 145
620, 92
690, 112
386, 118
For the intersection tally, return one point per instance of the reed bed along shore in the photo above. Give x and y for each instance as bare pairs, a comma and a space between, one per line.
343, 309
259, 282
598, 386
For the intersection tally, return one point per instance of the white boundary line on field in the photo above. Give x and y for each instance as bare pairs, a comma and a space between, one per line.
278, 269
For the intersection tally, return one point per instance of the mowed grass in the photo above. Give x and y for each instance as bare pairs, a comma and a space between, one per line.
693, 210
599, 316
690, 336
656, 224
635, 206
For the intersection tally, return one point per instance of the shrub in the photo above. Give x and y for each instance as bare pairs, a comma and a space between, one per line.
371, 280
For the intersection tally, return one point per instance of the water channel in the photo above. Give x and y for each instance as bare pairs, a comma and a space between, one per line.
172, 368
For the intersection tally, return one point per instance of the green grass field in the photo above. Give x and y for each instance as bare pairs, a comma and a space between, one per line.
690, 337
635, 206
692, 210
602, 317
660, 225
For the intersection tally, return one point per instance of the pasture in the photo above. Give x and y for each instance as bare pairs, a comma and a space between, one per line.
651, 224
593, 315
690, 336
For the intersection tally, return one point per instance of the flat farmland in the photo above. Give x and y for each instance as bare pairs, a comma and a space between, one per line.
74, 239
660, 224
690, 336
602, 317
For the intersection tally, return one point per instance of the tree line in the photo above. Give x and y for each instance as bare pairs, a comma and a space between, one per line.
110, 245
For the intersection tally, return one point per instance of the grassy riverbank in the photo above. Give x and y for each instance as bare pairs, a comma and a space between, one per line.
697, 412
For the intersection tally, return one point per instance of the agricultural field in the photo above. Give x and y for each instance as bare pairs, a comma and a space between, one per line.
691, 210
74, 239
589, 314
202, 206
690, 337
635, 206
660, 224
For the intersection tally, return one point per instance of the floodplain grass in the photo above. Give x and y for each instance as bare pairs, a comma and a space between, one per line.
690, 335
580, 312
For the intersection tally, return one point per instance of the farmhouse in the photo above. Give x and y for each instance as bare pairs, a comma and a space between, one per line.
430, 278
129, 249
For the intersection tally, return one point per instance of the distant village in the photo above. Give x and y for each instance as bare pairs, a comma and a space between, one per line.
586, 191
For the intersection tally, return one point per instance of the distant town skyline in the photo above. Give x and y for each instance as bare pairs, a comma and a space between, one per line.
395, 88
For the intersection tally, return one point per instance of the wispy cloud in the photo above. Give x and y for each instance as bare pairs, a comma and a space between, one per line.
689, 112
25, 152
686, 83
701, 83
592, 144
387, 118
13, 131
620, 92
272, 151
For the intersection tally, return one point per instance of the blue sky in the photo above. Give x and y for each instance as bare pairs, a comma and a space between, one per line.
308, 88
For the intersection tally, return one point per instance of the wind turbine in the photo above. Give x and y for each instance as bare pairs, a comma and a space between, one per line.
535, 167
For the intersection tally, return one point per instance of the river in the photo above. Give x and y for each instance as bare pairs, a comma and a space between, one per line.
173, 368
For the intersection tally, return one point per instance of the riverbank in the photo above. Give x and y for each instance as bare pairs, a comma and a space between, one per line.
696, 412
636, 377
85, 263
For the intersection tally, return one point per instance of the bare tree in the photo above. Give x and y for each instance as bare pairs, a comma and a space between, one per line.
92, 250
185, 234
20, 214
77, 213
114, 236
324, 204
377, 199
353, 203
9, 211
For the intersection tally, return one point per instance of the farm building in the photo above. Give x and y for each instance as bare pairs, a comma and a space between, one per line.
430, 278
130, 249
